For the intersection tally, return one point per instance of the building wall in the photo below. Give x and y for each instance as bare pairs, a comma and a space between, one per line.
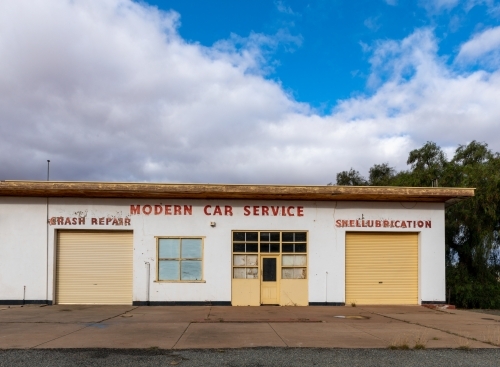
23, 241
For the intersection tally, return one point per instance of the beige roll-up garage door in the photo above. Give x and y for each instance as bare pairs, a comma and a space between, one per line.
94, 267
381, 268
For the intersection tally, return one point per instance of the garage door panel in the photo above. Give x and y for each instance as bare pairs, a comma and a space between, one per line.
382, 268
94, 267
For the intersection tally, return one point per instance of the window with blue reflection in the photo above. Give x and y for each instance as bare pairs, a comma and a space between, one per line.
180, 259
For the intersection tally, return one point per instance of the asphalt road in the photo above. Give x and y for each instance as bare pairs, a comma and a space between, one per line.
286, 357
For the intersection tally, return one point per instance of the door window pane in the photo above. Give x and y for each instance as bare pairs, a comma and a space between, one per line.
269, 269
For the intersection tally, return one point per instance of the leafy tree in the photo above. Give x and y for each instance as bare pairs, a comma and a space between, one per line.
472, 225
351, 178
381, 175
473, 228
427, 164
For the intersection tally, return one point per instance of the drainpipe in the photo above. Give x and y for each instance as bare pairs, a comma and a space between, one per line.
326, 288
148, 280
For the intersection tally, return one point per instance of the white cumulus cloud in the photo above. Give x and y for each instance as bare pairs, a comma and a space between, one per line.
109, 90
483, 47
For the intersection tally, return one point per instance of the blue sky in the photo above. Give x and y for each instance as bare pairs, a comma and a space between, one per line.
283, 92
323, 51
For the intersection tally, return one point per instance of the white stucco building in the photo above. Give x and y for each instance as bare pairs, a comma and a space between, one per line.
162, 244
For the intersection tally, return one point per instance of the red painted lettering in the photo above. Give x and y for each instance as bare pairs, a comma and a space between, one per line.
115, 221
135, 209
217, 210
289, 211
420, 224
338, 223
265, 210
158, 209
120, 221
205, 209
74, 221
300, 211
108, 220
408, 222
403, 224
101, 221
60, 220
188, 210
386, 223
168, 209
283, 213
396, 224
53, 221
81, 221
228, 210
93, 221
255, 210
275, 210
67, 221
177, 210
147, 209
378, 223
246, 210
127, 221
427, 224
345, 223
352, 223
363, 224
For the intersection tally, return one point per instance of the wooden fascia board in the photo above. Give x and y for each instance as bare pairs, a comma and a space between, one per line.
214, 191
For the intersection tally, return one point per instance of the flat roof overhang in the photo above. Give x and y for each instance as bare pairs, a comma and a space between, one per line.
81, 189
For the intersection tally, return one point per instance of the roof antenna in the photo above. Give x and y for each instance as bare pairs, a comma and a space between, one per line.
48, 169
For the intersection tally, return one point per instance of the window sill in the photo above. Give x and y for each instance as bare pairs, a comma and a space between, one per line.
179, 281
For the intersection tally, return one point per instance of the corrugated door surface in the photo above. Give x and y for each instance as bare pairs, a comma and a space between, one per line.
381, 268
94, 267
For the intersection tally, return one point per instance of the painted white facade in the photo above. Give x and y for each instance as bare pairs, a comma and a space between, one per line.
27, 243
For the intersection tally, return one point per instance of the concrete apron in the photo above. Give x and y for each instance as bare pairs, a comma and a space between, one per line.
183, 327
